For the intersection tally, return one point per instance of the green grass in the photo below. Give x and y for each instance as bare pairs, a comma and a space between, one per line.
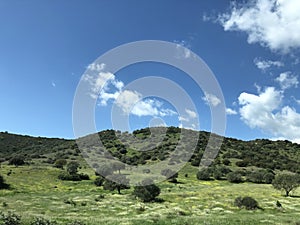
36, 191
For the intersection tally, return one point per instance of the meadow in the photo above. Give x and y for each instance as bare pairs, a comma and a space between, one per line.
37, 192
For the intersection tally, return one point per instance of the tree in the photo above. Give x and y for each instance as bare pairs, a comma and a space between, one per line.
286, 182
247, 202
72, 167
116, 182
104, 170
118, 166
147, 192
60, 163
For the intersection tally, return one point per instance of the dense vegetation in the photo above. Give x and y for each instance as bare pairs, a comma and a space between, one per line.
245, 175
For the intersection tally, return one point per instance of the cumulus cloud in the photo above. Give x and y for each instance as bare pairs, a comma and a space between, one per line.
266, 64
230, 111
287, 80
105, 87
189, 120
211, 99
265, 112
271, 23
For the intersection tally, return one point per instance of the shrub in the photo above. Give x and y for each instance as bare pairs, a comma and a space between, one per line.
234, 177
42, 221
242, 163
84, 176
66, 176
146, 193
3, 185
248, 203
72, 167
99, 181
76, 223
10, 219
226, 162
203, 174
17, 160
60, 163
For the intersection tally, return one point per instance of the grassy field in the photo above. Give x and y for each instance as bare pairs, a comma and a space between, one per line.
36, 192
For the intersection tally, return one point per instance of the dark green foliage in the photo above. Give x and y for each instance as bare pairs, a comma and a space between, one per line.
226, 162
42, 221
99, 181
234, 177
3, 185
76, 223
242, 163
10, 219
146, 193
287, 182
116, 182
60, 163
261, 177
17, 160
248, 203
72, 167
104, 170
67, 176
203, 174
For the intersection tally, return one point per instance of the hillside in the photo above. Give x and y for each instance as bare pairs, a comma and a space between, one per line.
141, 147
37, 193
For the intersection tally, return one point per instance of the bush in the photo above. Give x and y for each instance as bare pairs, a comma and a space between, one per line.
17, 160
203, 174
10, 219
248, 203
67, 176
234, 177
99, 181
60, 163
3, 185
146, 193
42, 221
261, 177
84, 176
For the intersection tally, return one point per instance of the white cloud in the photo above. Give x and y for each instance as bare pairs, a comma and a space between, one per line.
96, 67
266, 64
105, 87
183, 48
264, 112
211, 99
287, 80
230, 111
191, 113
272, 23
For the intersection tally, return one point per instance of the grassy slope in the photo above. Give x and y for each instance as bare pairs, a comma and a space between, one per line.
36, 191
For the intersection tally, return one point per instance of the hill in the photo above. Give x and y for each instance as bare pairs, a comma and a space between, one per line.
142, 146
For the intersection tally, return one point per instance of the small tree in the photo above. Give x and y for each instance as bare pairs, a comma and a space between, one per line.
116, 182
118, 166
286, 182
60, 163
72, 167
147, 192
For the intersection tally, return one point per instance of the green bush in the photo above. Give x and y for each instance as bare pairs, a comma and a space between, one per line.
67, 176
99, 181
42, 221
248, 203
203, 174
146, 193
234, 177
10, 219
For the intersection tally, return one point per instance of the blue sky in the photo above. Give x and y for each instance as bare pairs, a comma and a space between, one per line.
253, 51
